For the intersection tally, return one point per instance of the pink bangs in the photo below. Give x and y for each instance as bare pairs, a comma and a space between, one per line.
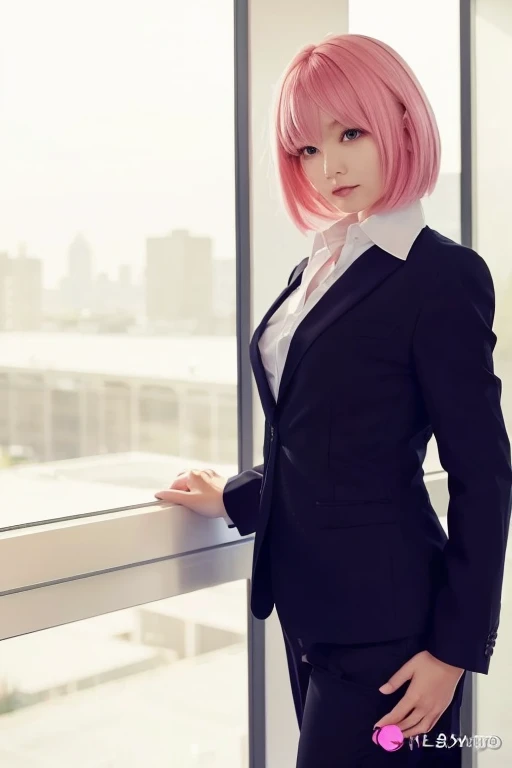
362, 83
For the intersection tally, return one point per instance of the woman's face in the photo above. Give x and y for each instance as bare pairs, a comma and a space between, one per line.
347, 157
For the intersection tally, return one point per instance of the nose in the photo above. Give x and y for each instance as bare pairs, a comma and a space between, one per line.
333, 165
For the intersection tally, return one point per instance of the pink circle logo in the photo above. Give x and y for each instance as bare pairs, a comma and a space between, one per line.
389, 737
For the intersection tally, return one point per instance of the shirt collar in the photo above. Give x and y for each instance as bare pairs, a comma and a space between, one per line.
394, 231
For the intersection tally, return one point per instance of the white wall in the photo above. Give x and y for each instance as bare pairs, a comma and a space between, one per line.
492, 119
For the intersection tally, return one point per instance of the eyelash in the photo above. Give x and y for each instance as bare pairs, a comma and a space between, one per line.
301, 151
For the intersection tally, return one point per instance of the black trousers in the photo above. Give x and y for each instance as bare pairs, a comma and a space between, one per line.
342, 702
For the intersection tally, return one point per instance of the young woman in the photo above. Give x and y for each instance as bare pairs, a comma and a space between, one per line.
382, 338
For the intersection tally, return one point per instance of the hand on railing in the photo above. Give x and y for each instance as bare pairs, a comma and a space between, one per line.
198, 489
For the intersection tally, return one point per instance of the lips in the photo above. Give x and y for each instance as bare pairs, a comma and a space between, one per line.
344, 191
341, 189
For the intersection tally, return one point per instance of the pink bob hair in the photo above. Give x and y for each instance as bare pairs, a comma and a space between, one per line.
362, 83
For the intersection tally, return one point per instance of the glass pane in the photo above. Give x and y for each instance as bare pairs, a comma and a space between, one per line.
163, 684
493, 196
117, 252
411, 35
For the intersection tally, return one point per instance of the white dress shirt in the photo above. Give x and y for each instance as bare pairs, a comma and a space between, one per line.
393, 231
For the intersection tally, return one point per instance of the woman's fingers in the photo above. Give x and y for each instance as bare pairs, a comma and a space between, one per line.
181, 480
182, 484
199, 489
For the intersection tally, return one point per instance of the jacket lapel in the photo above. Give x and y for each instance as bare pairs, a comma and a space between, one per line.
360, 279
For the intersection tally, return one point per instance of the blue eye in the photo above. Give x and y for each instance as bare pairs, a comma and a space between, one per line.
349, 130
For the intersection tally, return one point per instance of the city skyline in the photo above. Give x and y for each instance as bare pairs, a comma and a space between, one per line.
86, 298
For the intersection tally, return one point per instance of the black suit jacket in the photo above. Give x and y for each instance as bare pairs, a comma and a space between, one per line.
348, 546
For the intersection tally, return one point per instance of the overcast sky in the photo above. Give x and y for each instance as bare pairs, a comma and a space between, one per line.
117, 118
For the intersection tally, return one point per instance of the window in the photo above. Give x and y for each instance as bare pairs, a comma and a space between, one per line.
117, 253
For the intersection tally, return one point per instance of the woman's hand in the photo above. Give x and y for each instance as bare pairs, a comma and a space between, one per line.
430, 692
198, 489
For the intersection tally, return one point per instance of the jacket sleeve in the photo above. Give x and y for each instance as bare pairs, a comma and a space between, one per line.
241, 495
452, 349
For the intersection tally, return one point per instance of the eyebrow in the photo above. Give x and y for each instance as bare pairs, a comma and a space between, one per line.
334, 123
